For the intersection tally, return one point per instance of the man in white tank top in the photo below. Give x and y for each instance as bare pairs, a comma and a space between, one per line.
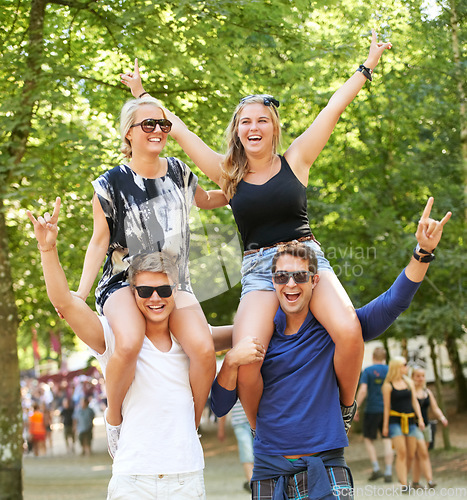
159, 454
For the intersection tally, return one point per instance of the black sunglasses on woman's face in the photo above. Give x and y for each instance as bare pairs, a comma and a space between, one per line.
150, 124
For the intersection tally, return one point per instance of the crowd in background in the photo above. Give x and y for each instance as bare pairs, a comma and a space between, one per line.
70, 405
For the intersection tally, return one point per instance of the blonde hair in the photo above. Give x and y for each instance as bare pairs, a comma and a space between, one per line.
394, 371
235, 164
152, 262
419, 369
127, 119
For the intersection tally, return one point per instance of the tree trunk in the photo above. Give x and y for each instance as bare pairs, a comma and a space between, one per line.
460, 79
439, 391
11, 419
456, 365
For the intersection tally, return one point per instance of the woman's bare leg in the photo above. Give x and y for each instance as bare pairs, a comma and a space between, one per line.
332, 307
254, 318
400, 448
188, 324
129, 327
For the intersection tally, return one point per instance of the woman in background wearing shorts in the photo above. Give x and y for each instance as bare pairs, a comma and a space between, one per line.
426, 399
400, 409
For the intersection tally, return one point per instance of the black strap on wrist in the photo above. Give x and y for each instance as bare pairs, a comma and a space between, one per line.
426, 255
366, 72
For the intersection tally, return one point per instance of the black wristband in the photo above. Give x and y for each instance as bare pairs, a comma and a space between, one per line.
142, 93
425, 257
366, 72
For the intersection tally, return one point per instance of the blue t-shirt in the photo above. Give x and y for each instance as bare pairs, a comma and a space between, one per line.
299, 411
373, 376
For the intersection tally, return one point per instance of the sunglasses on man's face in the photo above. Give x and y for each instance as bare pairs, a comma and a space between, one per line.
150, 124
283, 277
163, 291
268, 100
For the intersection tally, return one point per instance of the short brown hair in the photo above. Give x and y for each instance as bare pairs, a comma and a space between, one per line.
299, 250
379, 353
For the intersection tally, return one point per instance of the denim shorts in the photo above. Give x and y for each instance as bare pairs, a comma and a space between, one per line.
396, 430
425, 435
256, 268
245, 442
186, 486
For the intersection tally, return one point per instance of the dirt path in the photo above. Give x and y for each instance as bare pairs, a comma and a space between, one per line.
61, 476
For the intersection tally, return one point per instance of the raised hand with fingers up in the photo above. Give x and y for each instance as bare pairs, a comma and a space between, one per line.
429, 231
428, 234
132, 80
46, 227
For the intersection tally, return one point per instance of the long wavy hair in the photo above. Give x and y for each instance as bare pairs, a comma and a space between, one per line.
127, 119
235, 164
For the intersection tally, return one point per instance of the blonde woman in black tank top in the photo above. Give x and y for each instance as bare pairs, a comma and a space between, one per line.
253, 137
422, 462
400, 409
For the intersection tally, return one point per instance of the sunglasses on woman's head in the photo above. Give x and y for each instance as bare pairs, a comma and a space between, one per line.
150, 124
268, 100
163, 291
283, 277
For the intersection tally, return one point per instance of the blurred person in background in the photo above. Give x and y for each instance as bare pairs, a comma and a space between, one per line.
427, 400
371, 383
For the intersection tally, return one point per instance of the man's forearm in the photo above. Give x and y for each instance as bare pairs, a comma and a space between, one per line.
377, 316
55, 279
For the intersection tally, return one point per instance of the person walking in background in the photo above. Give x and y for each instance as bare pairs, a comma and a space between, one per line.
48, 426
84, 426
37, 430
401, 409
371, 383
244, 437
66, 415
427, 400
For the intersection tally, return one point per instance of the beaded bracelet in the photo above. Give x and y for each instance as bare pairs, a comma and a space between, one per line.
48, 249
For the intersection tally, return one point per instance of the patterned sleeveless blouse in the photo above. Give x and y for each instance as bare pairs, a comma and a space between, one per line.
145, 215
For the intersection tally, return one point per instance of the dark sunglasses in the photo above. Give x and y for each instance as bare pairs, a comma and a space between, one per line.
150, 124
282, 277
268, 100
163, 291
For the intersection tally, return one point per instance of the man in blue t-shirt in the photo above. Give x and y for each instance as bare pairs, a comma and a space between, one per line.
371, 382
300, 433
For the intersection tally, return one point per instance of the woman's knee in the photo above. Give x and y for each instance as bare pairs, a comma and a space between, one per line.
128, 348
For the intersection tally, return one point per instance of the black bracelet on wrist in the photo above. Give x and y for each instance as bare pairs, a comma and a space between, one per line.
367, 72
425, 257
142, 93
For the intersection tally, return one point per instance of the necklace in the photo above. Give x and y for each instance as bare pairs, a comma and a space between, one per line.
270, 168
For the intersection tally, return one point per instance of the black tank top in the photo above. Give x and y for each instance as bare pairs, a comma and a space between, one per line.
424, 405
401, 401
272, 212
